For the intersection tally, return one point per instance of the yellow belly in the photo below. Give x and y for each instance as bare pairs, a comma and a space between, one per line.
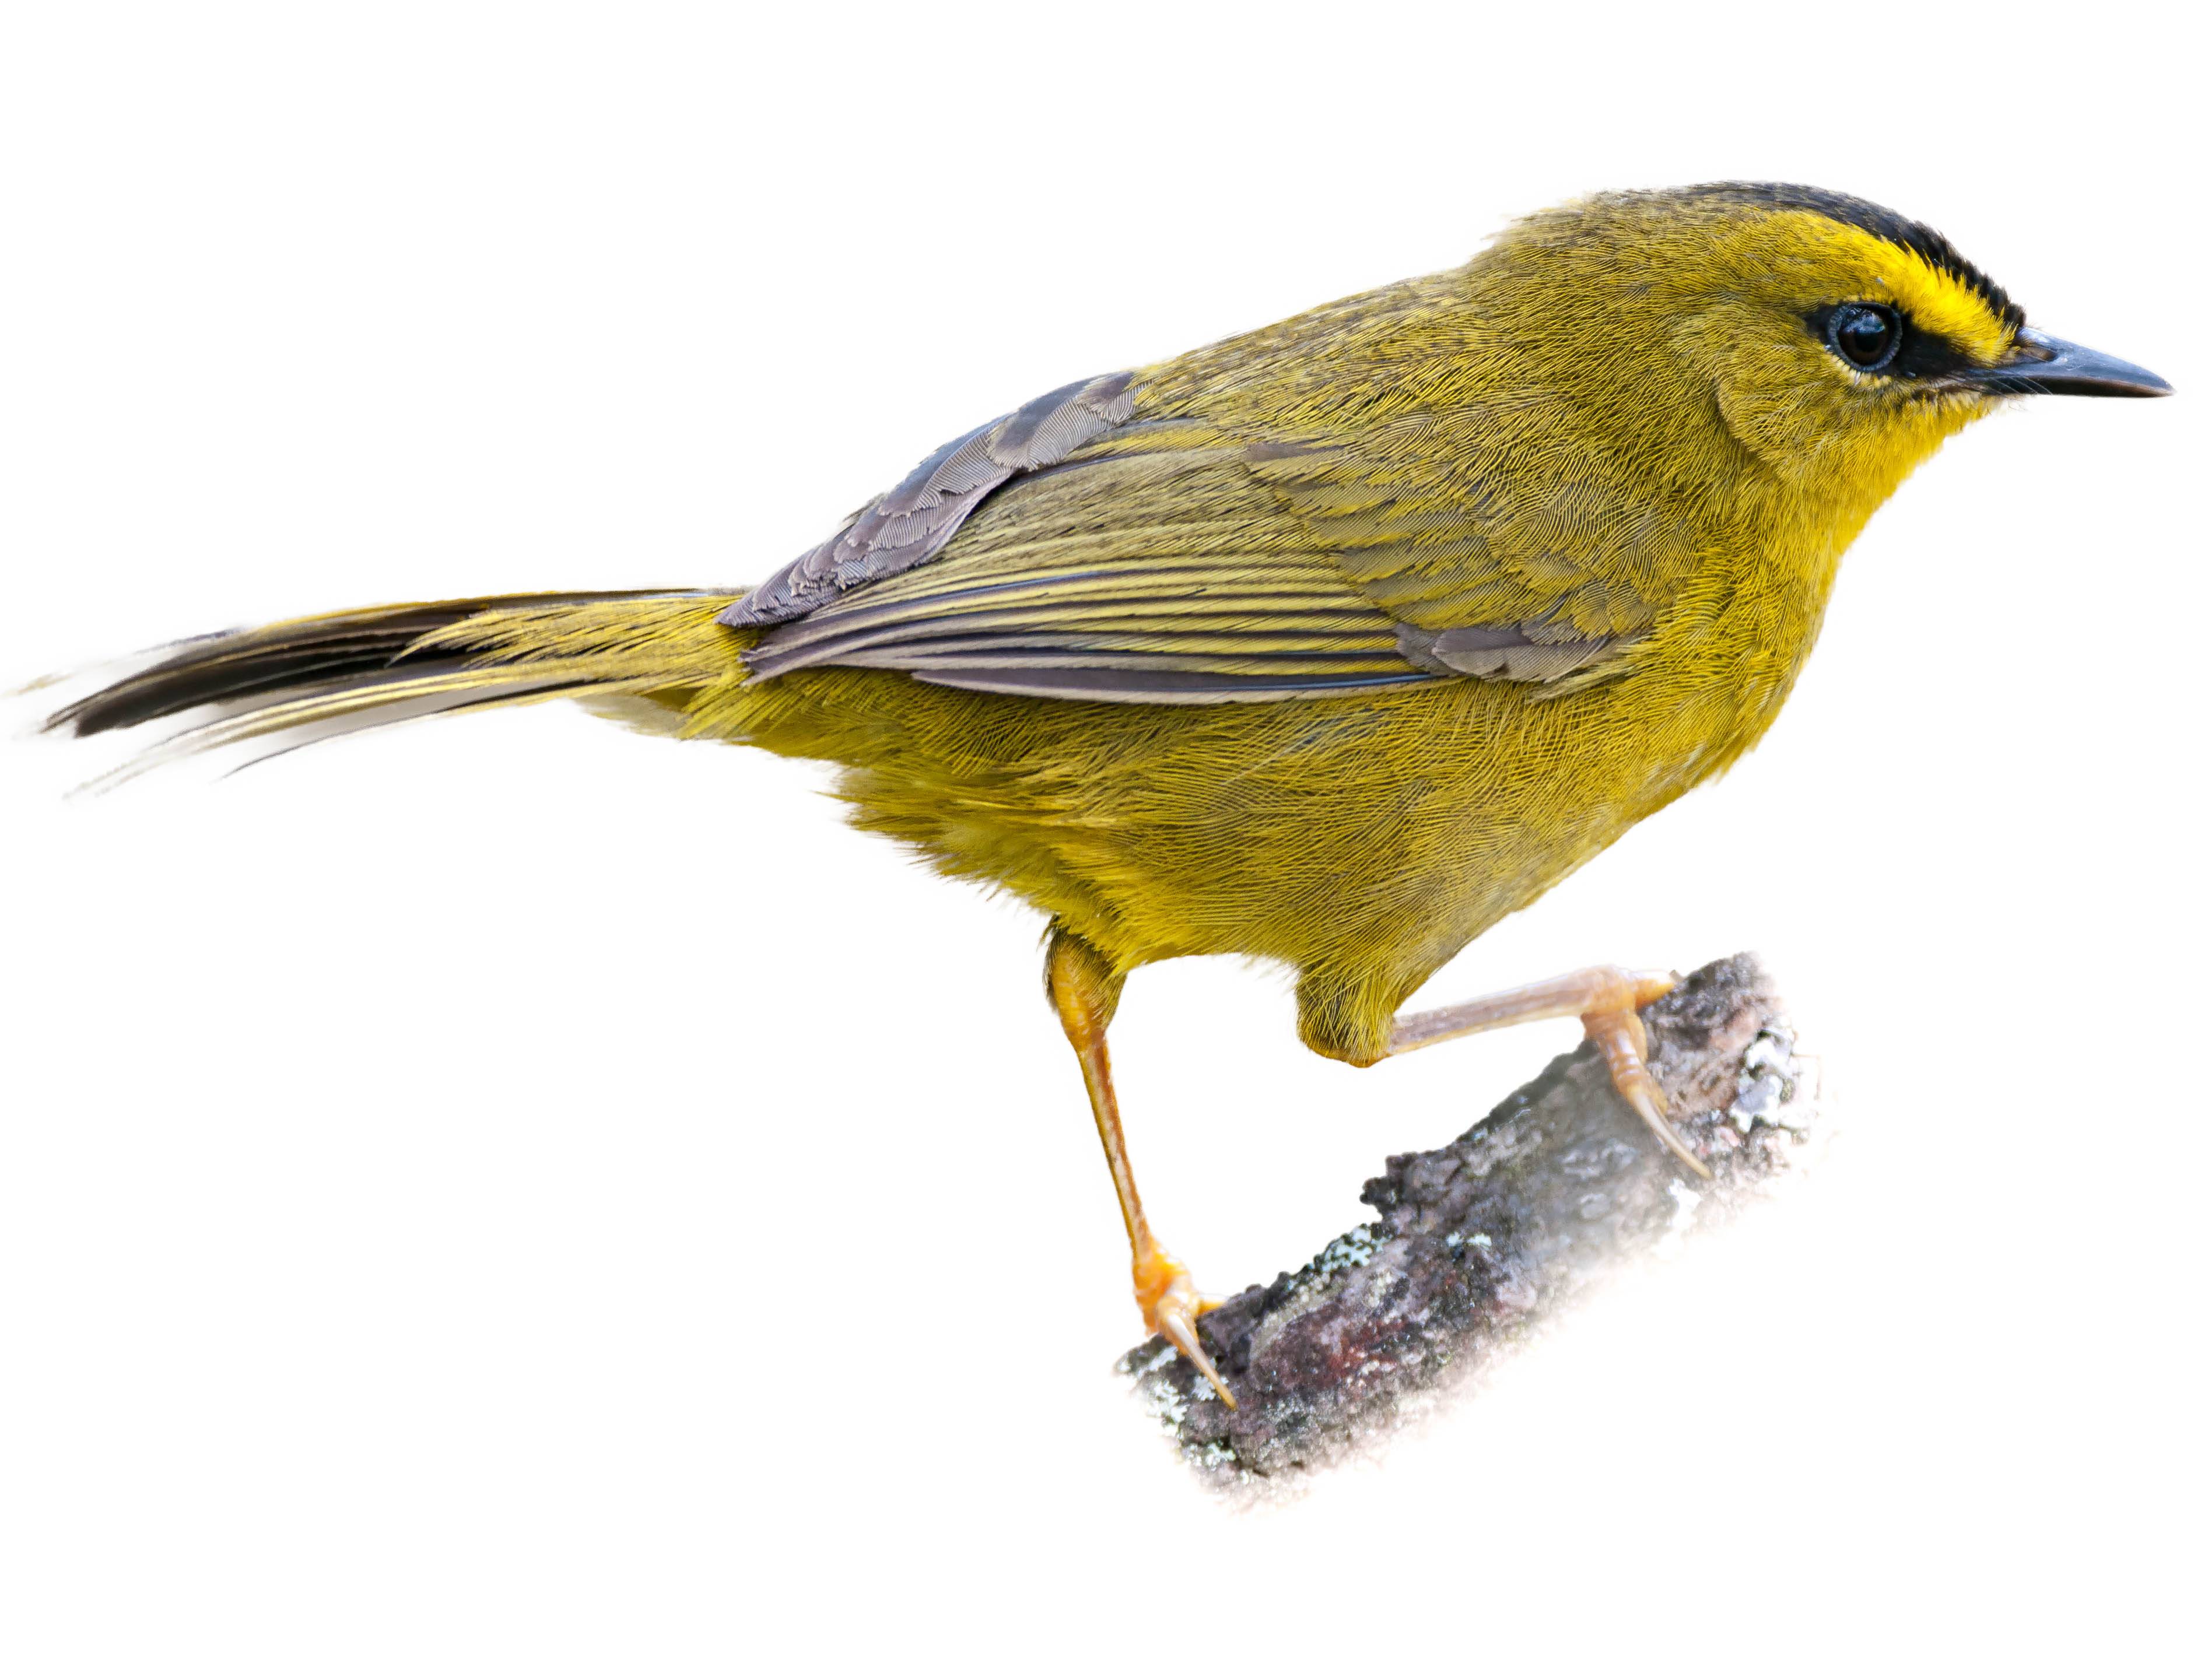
1363, 840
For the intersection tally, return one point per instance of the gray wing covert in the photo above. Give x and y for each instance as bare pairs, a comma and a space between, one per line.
908, 525
1166, 560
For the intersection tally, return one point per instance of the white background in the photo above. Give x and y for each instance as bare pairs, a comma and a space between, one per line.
511, 1187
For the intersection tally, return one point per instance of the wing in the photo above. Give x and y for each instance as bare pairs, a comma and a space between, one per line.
904, 526
1085, 547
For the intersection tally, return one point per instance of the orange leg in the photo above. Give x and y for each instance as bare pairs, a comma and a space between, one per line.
1084, 991
1606, 1000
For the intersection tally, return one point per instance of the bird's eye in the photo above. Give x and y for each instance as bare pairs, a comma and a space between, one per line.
1865, 336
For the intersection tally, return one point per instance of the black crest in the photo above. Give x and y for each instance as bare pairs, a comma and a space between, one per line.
1929, 244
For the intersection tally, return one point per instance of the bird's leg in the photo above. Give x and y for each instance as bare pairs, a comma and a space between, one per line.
1086, 989
1606, 1000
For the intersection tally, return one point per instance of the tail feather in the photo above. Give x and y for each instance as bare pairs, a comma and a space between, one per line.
322, 676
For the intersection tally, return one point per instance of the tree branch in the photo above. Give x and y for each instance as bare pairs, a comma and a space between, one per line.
1479, 1240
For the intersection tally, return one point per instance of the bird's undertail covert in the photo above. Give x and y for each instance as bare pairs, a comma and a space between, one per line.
297, 681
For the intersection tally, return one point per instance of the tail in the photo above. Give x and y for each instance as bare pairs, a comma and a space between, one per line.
299, 682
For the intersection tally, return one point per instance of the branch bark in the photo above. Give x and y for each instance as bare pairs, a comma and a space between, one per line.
1478, 1240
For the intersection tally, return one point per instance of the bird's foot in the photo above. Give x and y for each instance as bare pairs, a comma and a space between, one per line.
1606, 1000
1615, 1024
1172, 1306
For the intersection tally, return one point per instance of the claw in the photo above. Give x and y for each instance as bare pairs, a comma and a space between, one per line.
1619, 1036
1171, 1307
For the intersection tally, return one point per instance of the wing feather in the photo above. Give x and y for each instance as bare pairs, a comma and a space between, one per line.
1078, 548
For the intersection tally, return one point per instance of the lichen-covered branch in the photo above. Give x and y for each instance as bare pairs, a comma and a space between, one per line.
1478, 1240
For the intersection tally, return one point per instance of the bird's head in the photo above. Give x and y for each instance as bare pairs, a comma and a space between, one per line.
1836, 343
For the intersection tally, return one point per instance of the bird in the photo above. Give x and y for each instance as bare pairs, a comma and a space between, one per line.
1329, 644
